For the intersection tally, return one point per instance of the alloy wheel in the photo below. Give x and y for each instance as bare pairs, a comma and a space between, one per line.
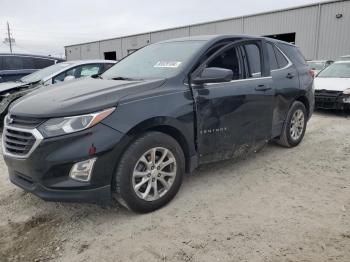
154, 174
297, 124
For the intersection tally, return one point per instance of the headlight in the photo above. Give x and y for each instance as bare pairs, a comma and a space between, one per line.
67, 125
346, 91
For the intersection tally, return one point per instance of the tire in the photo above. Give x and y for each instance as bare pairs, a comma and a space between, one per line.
287, 139
126, 182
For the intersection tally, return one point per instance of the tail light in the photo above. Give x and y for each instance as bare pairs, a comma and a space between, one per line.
312, 73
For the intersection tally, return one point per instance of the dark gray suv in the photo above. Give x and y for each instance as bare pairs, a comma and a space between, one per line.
15, 66
132, 132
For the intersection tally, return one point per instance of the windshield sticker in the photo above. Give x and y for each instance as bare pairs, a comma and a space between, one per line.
168, 64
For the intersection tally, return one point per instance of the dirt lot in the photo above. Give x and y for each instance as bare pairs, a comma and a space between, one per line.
277, 205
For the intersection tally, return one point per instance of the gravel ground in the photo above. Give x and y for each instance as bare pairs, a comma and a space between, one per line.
277, 205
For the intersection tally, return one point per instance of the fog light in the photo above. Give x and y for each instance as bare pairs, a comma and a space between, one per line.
346, 99
82, 171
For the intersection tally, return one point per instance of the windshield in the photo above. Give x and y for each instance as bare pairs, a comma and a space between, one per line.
316, 65
40, 74
161, 60
337, 70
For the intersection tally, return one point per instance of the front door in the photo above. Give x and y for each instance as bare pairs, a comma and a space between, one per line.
235, 117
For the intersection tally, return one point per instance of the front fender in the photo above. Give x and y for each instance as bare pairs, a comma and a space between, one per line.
7, 100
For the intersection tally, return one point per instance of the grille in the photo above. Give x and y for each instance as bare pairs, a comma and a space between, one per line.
26, 122
326, 98
18, 142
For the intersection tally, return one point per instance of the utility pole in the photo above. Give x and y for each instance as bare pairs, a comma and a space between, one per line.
9, 36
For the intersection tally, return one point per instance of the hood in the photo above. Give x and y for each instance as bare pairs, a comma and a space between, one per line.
332, 84
78, 97
7, 86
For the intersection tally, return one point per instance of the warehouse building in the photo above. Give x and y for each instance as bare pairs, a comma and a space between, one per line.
321, 31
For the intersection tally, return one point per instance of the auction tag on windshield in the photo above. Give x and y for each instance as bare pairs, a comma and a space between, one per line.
168, 64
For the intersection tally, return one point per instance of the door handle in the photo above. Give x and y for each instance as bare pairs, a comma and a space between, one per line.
262, 88
290, 75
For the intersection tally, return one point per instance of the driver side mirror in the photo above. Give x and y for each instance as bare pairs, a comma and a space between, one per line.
214, 75
68, 78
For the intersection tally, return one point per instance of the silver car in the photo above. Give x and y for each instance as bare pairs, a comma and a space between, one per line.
65, 71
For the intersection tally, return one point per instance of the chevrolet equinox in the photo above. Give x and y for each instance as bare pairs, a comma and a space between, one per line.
132, 133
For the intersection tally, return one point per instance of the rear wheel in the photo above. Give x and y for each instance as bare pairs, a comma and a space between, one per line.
294, 127
150, 172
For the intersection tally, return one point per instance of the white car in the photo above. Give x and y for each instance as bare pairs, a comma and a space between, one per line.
332, 86
318, 65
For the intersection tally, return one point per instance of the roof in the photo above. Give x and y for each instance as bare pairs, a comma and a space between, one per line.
31, 55
318, 61
91, 61
220, 37
214, 21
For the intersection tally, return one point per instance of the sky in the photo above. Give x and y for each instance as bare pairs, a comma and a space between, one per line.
46, 26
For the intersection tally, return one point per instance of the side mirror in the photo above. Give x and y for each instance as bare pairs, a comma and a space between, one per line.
214, 75
68, 78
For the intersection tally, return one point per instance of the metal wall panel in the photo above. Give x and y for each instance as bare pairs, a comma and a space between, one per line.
334, 39
233, 26
302, 21
73, 52
169, 34
110, 46
90, 51
134, 42
318, 33
203, 29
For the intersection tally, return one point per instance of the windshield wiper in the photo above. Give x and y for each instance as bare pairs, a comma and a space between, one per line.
124, 78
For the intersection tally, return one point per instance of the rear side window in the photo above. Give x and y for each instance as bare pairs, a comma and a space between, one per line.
13, 63
272, 57
293, 53
40, 63
17, 63
281, 60
254, 59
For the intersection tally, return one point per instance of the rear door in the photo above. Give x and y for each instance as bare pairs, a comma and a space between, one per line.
286, 81
235, 117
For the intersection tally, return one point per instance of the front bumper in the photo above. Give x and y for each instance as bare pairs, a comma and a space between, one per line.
325, 99
45, 172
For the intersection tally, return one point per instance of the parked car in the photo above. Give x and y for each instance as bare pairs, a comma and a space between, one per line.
162, 111
57, 73
345, 58
15, 66
318, 65
332, 87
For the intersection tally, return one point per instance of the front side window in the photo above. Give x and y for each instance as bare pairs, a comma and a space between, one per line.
228, 60
78, 71
243, 60
162, 60
43, 73
337, 70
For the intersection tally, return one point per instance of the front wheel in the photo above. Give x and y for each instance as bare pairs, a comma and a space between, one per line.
294, 128
149, 173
